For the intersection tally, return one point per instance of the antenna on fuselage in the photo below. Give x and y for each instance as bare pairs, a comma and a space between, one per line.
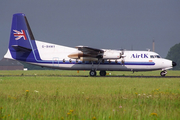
153, 46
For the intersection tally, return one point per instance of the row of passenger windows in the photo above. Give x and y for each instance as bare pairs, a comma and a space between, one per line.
89, 61
155, 56
70, 60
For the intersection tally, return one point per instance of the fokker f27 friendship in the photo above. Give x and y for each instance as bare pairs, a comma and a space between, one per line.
24, 47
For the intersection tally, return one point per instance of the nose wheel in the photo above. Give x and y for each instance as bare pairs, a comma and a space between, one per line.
163, 73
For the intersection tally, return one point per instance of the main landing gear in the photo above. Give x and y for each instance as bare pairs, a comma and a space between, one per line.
102, 73
93, 73
93, 70
163, 73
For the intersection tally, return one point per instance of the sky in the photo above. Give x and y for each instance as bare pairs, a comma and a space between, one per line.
107, 24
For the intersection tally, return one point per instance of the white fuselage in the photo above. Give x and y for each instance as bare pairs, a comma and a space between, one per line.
56, 56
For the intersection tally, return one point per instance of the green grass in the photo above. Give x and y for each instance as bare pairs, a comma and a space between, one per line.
84, 73
78, 98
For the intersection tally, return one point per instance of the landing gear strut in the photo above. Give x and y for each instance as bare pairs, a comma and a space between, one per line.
102, 73
163, 73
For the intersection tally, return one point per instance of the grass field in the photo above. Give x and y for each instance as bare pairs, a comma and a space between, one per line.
83, 73
52, 97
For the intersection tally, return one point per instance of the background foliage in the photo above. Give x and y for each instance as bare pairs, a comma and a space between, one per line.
174, 55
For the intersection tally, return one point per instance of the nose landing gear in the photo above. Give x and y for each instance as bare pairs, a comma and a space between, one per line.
163, 73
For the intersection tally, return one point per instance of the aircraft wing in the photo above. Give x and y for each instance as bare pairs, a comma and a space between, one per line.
89, 50
88, 53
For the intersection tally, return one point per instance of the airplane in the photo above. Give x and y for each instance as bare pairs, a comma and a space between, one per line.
24, 47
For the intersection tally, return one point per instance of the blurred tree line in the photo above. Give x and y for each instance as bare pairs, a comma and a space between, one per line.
174, 55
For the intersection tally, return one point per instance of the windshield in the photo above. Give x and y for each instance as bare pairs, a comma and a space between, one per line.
155, 56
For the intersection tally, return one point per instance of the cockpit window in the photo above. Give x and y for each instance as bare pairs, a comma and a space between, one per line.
155, 56
152, 56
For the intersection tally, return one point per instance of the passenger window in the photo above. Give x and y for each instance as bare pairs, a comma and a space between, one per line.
63, 60
103, 61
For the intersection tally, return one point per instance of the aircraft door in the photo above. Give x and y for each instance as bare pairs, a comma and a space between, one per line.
55, 62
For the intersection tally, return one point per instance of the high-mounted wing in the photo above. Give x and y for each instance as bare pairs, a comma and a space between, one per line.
87, 53
94, 54
89, 50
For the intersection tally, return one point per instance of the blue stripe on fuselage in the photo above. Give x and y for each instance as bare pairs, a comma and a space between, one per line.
105, 63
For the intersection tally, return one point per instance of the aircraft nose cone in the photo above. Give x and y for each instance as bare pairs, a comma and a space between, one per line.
173, 64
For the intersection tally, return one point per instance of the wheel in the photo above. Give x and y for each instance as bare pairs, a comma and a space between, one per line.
163, 73
102, 73
92, 73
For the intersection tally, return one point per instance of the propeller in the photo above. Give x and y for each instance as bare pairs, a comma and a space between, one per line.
122, 57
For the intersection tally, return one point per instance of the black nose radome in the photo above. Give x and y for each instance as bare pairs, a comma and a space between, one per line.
173, 64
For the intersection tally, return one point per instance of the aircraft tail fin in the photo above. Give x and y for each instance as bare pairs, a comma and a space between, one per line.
22, 44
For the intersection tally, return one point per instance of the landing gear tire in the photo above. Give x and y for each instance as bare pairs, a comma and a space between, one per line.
163, 73
102, 73
92, 73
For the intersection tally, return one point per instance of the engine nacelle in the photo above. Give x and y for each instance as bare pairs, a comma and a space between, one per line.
78, 55
111, 55
88, 59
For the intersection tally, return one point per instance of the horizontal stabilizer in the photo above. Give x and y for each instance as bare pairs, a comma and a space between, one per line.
20, 48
